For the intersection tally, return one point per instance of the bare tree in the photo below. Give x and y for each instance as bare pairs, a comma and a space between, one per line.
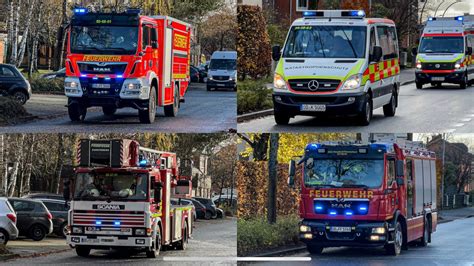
272, 175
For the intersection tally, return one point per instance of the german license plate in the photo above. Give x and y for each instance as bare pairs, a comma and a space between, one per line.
340, 229
91, 240
437, 78
100, 86
220, 85
313, 107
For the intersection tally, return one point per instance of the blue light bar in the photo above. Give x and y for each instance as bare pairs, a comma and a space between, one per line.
143, 163
310, 14
83, 75
95, 78
117, 223
107, 78
119, 76
363, 208
98, 222
357, 13
332, 212
348, 212
318, 208
80, 10
431, 18
459, 18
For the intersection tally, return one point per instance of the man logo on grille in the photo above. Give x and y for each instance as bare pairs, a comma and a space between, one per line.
437, 65
313, 85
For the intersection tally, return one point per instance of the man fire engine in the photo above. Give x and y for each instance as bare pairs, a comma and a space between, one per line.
445, 52
337, 62
121, 199
366, 195
117, 60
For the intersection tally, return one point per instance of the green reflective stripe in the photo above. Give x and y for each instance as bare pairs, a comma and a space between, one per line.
418, 58
186, 208
355, 69
279, 68
154, 215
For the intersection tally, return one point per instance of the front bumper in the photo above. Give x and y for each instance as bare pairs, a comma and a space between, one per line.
455, 77
221, 84
114, 101
360, 235
336, 104
110, 241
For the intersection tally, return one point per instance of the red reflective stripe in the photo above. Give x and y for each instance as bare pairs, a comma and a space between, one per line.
385, 64
366, 72
372, 77
469, 32
438, 71
442, 35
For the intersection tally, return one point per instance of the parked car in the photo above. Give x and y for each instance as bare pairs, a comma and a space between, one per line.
225, 200
211, 209
57, 74
185, 202
200, 209
44, 196
8, 229
14, 84
194, 74
33, 218
59, 211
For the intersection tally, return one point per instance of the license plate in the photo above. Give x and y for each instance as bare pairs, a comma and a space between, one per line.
437, 78
100, 86
220, 85
313, 107
340, 229
90, 241
107, 240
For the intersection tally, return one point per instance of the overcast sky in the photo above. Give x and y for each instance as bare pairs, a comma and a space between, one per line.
464, 6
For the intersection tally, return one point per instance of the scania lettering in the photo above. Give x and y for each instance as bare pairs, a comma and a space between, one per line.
121, 199
118, 60
336, 63
445, 52
373, 195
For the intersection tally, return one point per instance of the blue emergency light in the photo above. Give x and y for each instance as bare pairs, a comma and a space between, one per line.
119, 76
83, 75
98, 222
143, 163
117, 223
332, 212
313, 14
459, 18
348, 213
80, 10
357, 13
318, 207
363, 209
431, 19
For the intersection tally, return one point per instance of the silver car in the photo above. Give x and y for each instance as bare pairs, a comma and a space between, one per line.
8, 228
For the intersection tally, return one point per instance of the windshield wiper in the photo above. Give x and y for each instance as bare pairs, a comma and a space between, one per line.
355, 185
321, 185
350, 43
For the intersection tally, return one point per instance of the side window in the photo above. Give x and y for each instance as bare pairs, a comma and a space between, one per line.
23, 206
145, 36
373, 42
154, 38
6, 72
392, 34
49, 205
388, 42
390, 171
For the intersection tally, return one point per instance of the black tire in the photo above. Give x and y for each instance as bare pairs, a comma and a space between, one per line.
365, 116
37, 232
77, 112
395, 248
426, 234
184, 240
419, 85
314, 249
63, 230
208, 215
172, 110
83, 251
280, 118
154, 253
148, 116
390, 108
20, 97
109, 110
4, 237
464, 82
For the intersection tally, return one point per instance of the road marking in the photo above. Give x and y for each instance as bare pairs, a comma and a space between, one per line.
274, 259
221, 259
458, 125
466, 119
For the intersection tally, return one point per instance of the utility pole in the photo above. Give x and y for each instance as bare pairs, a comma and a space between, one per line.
443, 138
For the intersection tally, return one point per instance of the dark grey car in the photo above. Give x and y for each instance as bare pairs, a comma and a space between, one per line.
12, 83
33, 218
59, 210
211, 209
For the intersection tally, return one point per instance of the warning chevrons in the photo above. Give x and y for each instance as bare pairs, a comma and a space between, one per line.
467, 61
381, 70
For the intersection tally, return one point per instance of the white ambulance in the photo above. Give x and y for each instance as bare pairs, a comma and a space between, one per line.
445, 52
337, 62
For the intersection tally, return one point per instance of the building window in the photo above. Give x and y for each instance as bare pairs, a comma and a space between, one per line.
302, 5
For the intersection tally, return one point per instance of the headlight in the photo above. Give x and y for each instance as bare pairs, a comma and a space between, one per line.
70, 84
378, 230
418, 64
305, 228
457, 65
279, 82
133, 86
140, 231
209, 77
77, 230
353, 82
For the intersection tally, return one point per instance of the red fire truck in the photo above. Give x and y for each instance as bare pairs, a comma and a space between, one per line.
370, 195
120, 198
117, 60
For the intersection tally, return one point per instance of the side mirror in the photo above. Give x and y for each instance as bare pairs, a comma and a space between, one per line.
414, 50
157, 195
276, 52
291, 173
469, 51
66, 190
377, 54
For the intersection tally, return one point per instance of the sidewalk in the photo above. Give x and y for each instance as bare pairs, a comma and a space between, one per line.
453, 214
22, 248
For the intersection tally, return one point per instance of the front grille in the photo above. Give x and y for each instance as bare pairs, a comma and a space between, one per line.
346, 207
102, 68
220, 77
437, 66
114, 90
108, 218
304, 99
323, 85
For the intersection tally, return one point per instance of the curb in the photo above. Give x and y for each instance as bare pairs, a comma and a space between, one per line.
39, 254
282, 252
407, 82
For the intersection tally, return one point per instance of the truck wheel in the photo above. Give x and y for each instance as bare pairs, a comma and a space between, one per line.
20, 97
395, 248
109, 110
77, 112
281, 119
419, 85
464, 82
63, 230
314, 249
83, 251
37, 232
172, 110
390, 108
148, 116
3, 237
426, 234
184, 240
365, 116
153, 253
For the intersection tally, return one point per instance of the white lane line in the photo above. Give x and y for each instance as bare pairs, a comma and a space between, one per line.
466, 119
274, 259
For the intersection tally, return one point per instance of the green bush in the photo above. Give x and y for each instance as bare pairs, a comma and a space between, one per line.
47, 85
252, 95
256, 234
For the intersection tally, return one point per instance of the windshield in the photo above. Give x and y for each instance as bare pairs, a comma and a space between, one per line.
326, 42
118, 186
104, 40
441, 45
223, 64
344, 173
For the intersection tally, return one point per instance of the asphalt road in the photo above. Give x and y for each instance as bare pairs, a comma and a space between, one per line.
446, 109
203, 112
451, 245
213, 242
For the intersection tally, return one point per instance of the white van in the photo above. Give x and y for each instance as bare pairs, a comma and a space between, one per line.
337, 62
222, 71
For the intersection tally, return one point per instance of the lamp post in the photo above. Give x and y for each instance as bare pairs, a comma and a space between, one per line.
450, 6
442, 2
